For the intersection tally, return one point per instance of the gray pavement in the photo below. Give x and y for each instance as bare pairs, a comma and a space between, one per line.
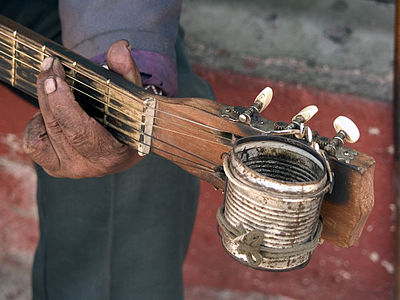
15, 277
336, 45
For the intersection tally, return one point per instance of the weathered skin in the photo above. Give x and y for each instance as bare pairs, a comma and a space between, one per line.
63, 139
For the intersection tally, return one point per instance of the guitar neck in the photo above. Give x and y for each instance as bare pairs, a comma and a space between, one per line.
112, 101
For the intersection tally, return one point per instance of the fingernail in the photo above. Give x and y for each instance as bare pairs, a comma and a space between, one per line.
56, 62
47, 63
128, 45
50, 85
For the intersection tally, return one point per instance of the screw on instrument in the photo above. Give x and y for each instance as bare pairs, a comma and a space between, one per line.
261, 102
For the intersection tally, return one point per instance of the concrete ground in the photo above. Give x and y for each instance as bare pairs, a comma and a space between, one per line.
336, 54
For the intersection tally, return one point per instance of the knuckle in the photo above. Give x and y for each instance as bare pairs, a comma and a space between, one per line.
33, 137
78, 136
82, 134
53, 127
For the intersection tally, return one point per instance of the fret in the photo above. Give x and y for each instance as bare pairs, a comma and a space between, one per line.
5, 56
5, 66
27, 86
13, 66
42, 54
106, 101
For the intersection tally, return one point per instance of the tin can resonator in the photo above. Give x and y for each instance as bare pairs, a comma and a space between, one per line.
270, 219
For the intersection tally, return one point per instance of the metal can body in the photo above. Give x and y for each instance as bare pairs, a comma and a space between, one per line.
275, 186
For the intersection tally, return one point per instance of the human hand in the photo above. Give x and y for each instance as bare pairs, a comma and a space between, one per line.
63, 139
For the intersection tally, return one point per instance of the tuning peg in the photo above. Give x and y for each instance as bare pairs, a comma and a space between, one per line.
261, 102
305, 114
346, 131
263, 99
346, 128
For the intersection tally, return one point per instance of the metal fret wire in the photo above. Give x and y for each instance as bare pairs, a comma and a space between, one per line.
130, 96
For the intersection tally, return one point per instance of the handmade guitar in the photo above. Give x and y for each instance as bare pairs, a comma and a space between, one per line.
193, 133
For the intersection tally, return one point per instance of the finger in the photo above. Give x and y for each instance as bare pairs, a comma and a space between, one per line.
45, 86
52, 66
57, 104
57, 97
83, 133
119, 60
37, 144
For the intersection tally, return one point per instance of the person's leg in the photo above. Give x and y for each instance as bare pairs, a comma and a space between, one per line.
122, 236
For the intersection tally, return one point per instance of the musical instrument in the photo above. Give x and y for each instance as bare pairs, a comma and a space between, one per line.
168, 126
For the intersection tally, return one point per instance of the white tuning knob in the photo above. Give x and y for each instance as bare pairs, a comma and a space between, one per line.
260, 103
306, 113
263, 99
348, 128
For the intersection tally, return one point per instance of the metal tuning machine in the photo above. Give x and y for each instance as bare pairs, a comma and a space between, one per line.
251, 115
260, 104
345, 128
299, 120
347, 131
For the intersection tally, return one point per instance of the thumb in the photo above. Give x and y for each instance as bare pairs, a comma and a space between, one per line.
119, 60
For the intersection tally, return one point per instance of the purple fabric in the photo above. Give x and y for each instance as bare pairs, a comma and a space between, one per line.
155, 69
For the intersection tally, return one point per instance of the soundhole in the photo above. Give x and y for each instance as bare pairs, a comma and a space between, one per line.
282, 164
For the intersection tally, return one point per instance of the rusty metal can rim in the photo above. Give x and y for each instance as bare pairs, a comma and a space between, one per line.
260, 181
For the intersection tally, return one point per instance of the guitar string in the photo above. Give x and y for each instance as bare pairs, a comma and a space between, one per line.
172, 146
156, 118
47, 55
168, 144
119, 130
178, 148
195, 165
104, 84
183, 150
115, 108
186, 134
122, 112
